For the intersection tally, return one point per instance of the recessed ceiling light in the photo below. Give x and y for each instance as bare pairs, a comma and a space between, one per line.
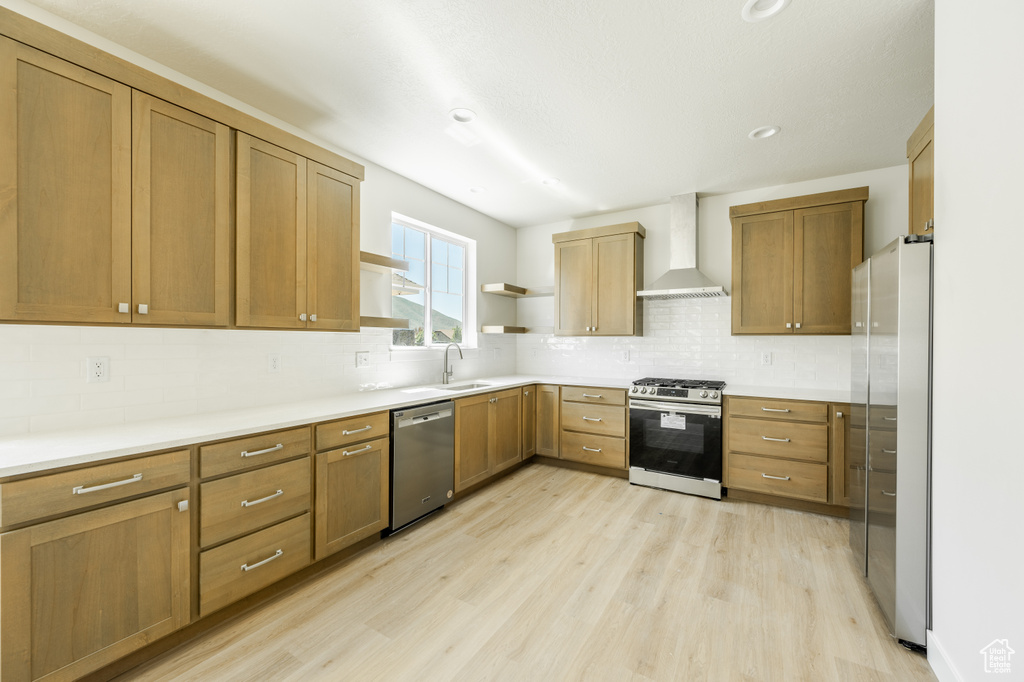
763, 132
462, 115
550, 182
759, 10
477, 190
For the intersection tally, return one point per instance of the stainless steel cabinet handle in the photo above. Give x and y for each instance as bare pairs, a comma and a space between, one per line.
246, 453
253, 503
346, 453
526, 393
772, 409
81, 489
302, 317
889, 419
591, 449
839, 415
123, 308
789, 325
591, 419
776, 478
888, 494
312, 318
143, 309
588, 395
247, 567
493, 400
349, 433
889, 452
797, 325
776, 440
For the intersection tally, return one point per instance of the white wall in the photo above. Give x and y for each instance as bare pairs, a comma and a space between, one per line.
692, 338
169, 372
978, 465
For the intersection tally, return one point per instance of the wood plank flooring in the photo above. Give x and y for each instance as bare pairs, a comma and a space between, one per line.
554, 574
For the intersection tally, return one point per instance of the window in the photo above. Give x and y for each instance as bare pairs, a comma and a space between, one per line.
441, 268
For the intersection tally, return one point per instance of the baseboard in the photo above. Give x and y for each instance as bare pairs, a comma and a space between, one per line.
939, 661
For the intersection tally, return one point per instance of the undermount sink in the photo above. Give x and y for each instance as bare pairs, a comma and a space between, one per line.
462, 387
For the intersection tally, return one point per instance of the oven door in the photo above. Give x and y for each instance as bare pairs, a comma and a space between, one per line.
676, 438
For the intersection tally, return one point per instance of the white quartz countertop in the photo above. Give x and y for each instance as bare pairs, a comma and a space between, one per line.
41, 452
789, 393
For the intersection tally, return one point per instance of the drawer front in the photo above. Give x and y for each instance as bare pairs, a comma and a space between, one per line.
779, 439
269, 556
352, 430
602, 420
35, 498
602, 396
604, 451
244, 453
800, 480
232, 506
790, 410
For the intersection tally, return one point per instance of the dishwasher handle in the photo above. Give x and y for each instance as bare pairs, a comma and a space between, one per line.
422, 419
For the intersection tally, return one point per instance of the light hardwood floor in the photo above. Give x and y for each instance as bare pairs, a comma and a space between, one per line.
553, 574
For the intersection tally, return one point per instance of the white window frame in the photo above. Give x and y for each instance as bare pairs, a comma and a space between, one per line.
469, 286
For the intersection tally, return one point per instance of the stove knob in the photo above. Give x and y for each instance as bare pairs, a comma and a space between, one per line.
714, 394
703, 394
633, 390
643, 390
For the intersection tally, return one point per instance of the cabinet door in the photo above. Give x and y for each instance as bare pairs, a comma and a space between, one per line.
271, 226
473, 462
506, 429
614, 303
548, 404
828, 243
332, 261
762, 273
351, 495
65, 191
921, 157
80, 592
838, 447
181, 220
529, 421
574, 281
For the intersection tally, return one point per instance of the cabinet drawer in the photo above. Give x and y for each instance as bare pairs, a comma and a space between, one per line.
245, 453
35, 498
352, 430
242, 503
883, 450
239, 568
581, 447
801, 480
605, 396
779, 439
790, 410
602, 420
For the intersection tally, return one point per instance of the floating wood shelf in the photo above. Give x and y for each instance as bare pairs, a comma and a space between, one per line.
367, 258
513, 291
385, 322
501, 329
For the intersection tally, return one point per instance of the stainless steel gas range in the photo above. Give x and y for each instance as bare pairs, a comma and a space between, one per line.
675, 435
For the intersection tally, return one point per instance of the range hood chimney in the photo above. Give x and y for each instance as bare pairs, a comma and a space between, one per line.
683, 280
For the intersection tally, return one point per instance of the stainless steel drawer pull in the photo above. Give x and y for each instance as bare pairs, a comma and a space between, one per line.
591, 449
346, 453
772, 409
349, 433
591, 419
588, 395
776, 478
253, 503
889, 419
247, 567
493, 400
246, 453
889, 452
888, 494
81, 489
775, 440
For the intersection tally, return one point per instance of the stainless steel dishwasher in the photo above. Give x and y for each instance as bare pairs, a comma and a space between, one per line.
422, 461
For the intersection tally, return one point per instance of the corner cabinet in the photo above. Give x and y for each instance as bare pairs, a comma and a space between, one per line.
597, 274
921, 161
297, 241
488, 429
792, 261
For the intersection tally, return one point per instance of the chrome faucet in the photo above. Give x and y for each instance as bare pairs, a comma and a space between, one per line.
446, 371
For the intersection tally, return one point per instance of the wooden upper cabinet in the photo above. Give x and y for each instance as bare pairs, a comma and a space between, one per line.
65, 191
921, 161
597, 274
332, 258
792, 261
181, 216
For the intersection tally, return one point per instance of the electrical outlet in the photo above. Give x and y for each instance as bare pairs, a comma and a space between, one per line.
766, 358
273, 363
625, 356
97, 370
363, 358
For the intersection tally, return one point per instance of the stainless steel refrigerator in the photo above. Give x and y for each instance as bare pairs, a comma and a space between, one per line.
889, 464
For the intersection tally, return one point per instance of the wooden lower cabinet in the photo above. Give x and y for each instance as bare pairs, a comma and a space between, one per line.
488, 429
840, 443
548, 404
352, 485
80, 592
594, 426
529, 421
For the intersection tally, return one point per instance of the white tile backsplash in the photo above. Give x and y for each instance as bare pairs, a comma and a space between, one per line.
691, 338
158, 373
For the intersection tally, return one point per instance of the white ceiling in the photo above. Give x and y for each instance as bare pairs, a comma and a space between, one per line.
627, 103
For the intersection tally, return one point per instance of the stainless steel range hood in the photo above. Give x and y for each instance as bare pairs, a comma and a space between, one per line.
683, 280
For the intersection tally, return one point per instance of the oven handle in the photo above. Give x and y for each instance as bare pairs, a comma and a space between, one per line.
675, 407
